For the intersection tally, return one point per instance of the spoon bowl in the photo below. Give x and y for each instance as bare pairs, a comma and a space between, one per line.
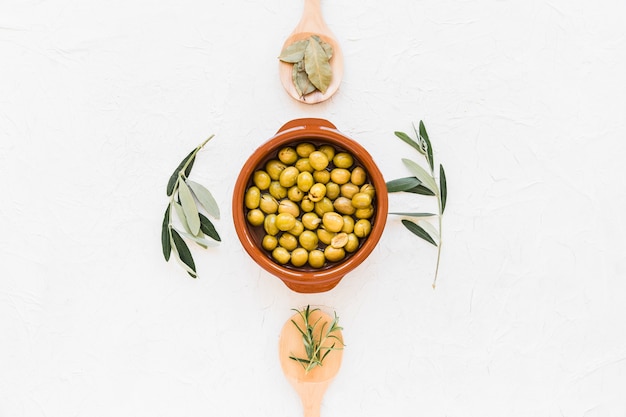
310, 386
312, 23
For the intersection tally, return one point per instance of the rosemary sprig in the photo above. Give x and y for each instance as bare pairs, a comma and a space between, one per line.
422, 182
316, 342
184, 194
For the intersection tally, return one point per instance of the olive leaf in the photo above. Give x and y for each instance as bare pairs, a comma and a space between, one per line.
166, 242
294, 52
420, 189
407, 139
181, 216
421, 174
317, 66
429, 148
443, 186
184, 255
174, 178
418, 231
401, 213
430, 229
189, 207
402, 184
207, 227
199, 240
205, 198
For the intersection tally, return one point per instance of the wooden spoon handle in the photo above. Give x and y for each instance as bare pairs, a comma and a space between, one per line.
312, 20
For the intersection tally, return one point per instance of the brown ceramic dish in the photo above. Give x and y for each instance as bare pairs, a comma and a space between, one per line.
306, 279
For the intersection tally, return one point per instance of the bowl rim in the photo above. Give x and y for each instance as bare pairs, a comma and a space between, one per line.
300, 130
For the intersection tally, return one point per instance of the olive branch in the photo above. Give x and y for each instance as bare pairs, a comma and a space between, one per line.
422, 183
183, 194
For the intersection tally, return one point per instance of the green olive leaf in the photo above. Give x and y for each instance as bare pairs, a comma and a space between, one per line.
181, 215
413, 214
429, 148
294, 52
317, 66
183, 254
189, 207
204, 196
418, 231
199, 240
443, 186
402, 184
171, 184
165, 234
421, 174
207, 227
406, 138
430, 229
420, 189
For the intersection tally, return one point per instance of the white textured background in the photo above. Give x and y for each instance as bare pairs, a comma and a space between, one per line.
525, 103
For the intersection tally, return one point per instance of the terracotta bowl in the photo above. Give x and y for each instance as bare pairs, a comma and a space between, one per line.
307, 279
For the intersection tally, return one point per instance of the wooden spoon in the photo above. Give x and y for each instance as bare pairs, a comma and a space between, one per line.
312, 23
312, 386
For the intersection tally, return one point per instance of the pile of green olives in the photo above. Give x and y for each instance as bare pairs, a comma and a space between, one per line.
313, 203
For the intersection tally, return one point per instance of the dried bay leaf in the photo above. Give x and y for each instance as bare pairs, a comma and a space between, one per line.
301, 80
295, 52
317, 66
325, 45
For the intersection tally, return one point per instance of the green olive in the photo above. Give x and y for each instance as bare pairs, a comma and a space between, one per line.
274, 167
297, 229
307, 205
361, 200
332, 190
285, 221
344, 205
317, 258
353, 243
364, 213
343, 160
268, 204
348, 190
277, 191
281, 255
304, 149
340, 175
304, 165
255, 217
308, 240
358, 176
323, 206
321, 176
305, 181
269, 225
295, 194
288, 155
288, 177
362, 228
369, 190
348, 224
261, 179
269, 242
311, 221
288, 206
288, 241
317, 192
318, 160
333, 222
325, 236
340, 240
328, 150
252, 197
299, 257
334, 254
